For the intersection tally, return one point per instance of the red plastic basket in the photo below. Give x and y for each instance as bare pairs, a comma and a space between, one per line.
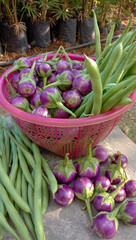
63, 135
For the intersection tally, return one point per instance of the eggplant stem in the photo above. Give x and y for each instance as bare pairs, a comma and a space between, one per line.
87, 201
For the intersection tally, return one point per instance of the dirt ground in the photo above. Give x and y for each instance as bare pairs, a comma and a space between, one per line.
128, 122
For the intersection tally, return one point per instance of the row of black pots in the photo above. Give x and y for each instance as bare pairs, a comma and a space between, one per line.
40, 33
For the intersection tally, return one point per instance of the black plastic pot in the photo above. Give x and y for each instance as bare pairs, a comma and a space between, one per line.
85, 30
11, 41
1, 48
67, 31
118, 26
103, 29
38, 33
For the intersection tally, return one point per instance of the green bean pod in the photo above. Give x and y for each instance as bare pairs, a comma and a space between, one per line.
27, 217
116, 88
12, 191
103, 54
112, 64
45, 196
130, 56
14, 216
123, 102
37, 213
31, 197
24, 167
5, 225
2, 210
118, 96
18, 185
96, 85
97, 36
52, 180
14, 163
110, 35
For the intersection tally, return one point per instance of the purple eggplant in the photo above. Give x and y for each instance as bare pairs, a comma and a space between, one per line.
64, 195
130, 188
21, 103
41, 111
82, 84
83, 189
27, 86
44, 71
76, 72
115, 172
35, 100
62, 65
121, 196
59, 113
52, 78
105, 201
72, 98
105, 224
114, 159
88, 166
20, 64
77, 65
24, 73
15, 80
127, 213
101, 184
51, 98
100, 153
63, 81
65, 170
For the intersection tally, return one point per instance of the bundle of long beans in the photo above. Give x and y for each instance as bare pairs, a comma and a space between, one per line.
25, 181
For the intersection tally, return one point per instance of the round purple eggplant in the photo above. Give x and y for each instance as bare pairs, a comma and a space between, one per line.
41, 111
21, 103
62, 65
83, 84
121, 196
24, 73
35, 100
64, 195
127, 213
52, 78
65, 170
83, 189
59, 113
76, 72
88, 166
77, 65
130, 188
115, 172
124, 161
106, 224
15, 80
100, 153
72, 98
44, 71
106, 201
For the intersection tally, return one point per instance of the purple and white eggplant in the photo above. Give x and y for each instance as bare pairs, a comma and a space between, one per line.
121, 196
77, 65
62, 65
20, 64
100, 153
15, 80
83, 189
27, 86
105, 224
35, 100
51, 98
72, 98
44, 71
88, 166
127, 213
21, 103
114, 159
65, 170
130, 188
64, 195
41, 111
105, 201
83, 84
59, 113
115, 172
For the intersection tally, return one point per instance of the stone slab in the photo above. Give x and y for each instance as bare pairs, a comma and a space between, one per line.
71, 222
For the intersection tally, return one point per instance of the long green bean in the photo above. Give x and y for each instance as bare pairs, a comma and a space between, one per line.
14, 216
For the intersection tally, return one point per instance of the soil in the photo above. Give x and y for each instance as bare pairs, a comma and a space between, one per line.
128, 122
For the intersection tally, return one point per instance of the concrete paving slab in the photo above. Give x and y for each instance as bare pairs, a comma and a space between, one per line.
71, 222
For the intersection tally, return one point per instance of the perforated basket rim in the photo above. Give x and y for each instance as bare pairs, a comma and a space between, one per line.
58, 122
